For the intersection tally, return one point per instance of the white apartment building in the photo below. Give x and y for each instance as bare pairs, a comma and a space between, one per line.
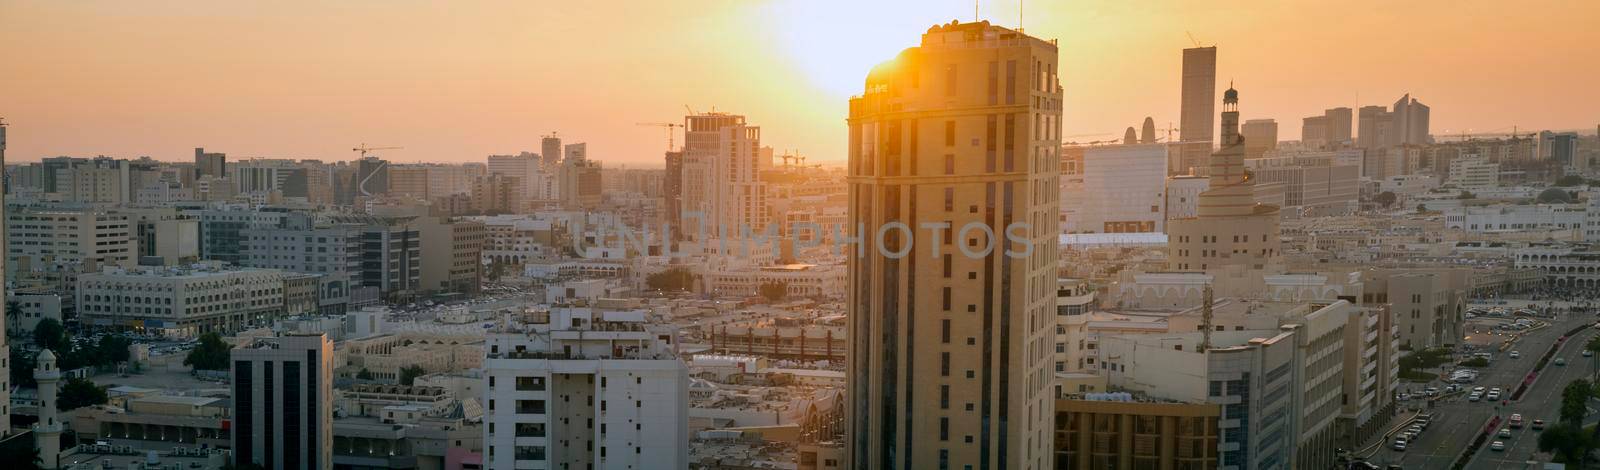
1562, 264
1074, 300
297, 244
42, 240
1516, 218
1116, 189
581, 388
1183, 196
180, 301
1474, 173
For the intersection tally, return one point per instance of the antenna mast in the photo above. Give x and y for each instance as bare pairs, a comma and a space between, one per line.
1205, 319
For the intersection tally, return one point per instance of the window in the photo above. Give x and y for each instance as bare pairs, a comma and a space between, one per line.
949, 164
530, 407
530, 384
944, 428
950, 133
944, 397
950, 80
944, 364
530, 429
944, 331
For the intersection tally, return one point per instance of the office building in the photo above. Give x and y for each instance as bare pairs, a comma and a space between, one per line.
5, 273
452, 258
297, 244
1199, 94
44, 240
944, 369
213, 164
497, 193
1410, 122
672, 194
1474, 173
1103, 431
1115, 189
582, 388
549, 153
371, 177
1428, 306
1316, 187
527, 168
1230, 227
180, 301
283, 403
581, 186
221, 229
1376, 128
1561, 148
1260, 136
721, 186
286, 177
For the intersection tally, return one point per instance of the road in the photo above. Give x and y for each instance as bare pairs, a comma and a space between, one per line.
1456, 420
1543, 401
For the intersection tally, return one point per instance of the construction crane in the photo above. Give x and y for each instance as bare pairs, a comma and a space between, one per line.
669, 126
364, 149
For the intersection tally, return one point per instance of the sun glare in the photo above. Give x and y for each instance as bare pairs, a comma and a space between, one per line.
835, 42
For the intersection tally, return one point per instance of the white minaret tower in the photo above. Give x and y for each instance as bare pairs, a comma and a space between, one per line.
47, 433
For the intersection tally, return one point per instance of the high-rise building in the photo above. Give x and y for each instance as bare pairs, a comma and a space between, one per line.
1199, 94
527, 168
5, 350
496, 193
945, 355
672, 194
1338, 130
74, 240
1314, 132
549, 152
1260, 135
721, 184
614, 398
1230, 227
283, 403
1410, 122
581, 185
1377, 126
214, 164
372, 177
1116, 189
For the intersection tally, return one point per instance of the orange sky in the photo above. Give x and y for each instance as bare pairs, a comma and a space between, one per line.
455, 81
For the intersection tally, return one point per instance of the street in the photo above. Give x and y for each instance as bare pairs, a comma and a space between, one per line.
1456, 420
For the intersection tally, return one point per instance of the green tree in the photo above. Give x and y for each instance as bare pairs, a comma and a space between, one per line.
1466, 195
1385, 199
113, 349
774, 291
364, 374
211, 354
674, 279
409, 374
50, 335
1574, 401
21, 457
1422, 207
1568, 441
13, 313
1570, 180
78, 393
1475, 362
22, 365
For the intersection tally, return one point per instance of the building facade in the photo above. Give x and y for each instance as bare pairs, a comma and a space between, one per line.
946, 353
283, 403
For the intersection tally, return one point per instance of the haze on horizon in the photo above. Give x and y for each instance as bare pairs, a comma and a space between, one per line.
454, 82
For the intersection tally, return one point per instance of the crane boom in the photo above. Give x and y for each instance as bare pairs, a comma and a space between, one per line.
364, 149
669, 126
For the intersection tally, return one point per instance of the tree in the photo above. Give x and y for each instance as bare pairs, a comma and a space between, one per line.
674, 279
78, 393
1554, 195
409, 374
364, 374
211, 354
1422, 207
21, 457
112, 349
22, 365
1570, 180
1385, 199
13, 312
1567, 440
1475, 362
1574, 400
774, 291
1467, 195
497, 270
50, 335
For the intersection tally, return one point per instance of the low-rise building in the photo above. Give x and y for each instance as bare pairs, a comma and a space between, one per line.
181, 301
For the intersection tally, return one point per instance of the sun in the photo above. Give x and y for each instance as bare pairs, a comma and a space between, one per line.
836, 42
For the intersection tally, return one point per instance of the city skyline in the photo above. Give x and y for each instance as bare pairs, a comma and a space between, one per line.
457, 84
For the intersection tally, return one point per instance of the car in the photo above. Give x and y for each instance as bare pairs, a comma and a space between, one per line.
1431, 391
1492, 395
1514, 355
1404, 396
1497, 446
1475, 396
1478, 389
1516, 421
1505, 432
1400, 445
1561, 361
1588, 353
1538, 425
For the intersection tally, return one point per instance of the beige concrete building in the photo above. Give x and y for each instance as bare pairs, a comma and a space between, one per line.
1096, 434
1260, 136
949, 362
1230, 227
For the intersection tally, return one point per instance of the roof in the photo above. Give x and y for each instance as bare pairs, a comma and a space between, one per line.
1104, 239
177, 400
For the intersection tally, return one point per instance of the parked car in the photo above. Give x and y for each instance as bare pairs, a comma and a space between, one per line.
1475, 396
1400, 445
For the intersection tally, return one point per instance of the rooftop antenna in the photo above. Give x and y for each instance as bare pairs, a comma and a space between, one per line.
975, 10
1205, 319
1192, 39
1019, 16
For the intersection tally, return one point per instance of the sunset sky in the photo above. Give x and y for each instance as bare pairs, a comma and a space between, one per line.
456, 81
